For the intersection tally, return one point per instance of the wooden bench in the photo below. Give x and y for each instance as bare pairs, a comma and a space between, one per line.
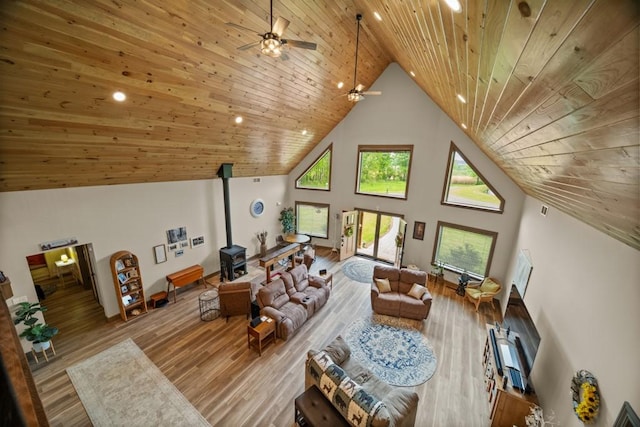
185, 277
276, 255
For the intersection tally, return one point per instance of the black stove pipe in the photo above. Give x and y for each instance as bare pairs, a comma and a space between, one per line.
224, 172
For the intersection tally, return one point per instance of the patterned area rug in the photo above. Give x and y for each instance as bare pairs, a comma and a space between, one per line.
121, 386
393, 349
359, 270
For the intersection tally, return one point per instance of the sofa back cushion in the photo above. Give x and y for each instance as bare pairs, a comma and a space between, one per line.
409, 277
356, 405
273, 295
300, 276
288, 282
390, 273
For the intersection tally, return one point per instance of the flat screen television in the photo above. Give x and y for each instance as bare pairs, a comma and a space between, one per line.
517, 318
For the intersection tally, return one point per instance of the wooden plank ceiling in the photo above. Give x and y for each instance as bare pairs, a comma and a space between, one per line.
551, 88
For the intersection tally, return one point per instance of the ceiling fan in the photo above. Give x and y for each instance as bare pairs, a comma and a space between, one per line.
272, 41
356, 94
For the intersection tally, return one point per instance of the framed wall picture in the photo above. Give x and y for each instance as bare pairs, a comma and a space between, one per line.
197, 241
418, 230
160, 253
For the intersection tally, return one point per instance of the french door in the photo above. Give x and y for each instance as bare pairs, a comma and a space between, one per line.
377, 232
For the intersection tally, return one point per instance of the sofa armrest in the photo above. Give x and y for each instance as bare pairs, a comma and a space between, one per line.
274, 313
317, 282
474, 284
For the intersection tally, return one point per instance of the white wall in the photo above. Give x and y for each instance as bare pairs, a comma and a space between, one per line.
135, 218
403, 114
584, 297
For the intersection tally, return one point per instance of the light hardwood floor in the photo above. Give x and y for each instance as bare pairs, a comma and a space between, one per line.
209, 362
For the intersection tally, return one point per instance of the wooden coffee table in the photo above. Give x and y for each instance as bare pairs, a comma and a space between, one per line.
259, 336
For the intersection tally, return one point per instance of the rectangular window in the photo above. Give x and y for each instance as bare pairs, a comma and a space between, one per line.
312, 219
384, 170
462, 248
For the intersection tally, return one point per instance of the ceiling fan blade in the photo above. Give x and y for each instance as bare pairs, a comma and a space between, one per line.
372, 92
249, 46
280, 26
359, 87
300, 44
240, 27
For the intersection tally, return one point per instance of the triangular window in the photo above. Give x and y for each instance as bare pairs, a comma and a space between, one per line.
466, 187
318, 175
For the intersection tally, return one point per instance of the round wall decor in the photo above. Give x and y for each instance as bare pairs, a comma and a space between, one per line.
257, 208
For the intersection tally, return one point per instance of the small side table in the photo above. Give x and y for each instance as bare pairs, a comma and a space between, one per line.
328, 278
435, 278
259, 336
209, 305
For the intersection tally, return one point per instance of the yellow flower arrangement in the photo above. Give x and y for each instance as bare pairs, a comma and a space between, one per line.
585, 396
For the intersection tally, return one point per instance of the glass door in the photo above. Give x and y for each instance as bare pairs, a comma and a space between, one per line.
377, 235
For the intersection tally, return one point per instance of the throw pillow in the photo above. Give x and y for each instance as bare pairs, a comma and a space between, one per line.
417, 291
383, 285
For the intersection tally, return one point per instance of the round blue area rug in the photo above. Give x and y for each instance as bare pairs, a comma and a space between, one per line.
393, 349
359, 270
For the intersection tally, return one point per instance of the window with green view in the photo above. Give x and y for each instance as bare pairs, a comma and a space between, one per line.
312, 219
466, 187
462, 248
318, 175
384, 170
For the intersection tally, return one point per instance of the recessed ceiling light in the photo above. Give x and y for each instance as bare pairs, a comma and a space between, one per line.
454, 5
377, 15
119, 96
239, 119
340, 84
304, 131
463, 126
412, 73
461, 98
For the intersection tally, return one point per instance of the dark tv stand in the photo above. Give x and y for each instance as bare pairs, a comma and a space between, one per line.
509, 405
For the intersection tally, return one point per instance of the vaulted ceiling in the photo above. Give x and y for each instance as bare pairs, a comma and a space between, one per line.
551, 88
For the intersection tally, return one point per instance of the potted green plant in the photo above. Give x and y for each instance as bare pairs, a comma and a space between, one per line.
39, 334
288, 220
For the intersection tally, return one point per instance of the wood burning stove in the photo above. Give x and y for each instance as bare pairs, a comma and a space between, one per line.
233, 262
233, 258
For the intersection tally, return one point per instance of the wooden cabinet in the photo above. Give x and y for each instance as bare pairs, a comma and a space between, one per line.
128, 284
508, 405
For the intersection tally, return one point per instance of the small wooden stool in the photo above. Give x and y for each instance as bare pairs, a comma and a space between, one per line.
44, 352
158, 297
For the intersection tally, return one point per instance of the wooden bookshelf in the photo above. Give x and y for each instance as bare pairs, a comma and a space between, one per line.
128, 285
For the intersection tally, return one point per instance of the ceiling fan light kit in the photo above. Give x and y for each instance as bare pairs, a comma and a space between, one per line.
272, 42
271, 46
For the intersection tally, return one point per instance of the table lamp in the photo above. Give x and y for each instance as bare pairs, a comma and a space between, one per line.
64, 258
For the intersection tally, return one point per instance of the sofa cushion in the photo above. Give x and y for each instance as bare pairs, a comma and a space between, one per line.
356, 405
409, 277
300, 276
383, 285
417, 291
288, 282
387, 272
273, 294
489, 285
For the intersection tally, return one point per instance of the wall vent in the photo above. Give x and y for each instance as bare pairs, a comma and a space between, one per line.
544, 210
256, 179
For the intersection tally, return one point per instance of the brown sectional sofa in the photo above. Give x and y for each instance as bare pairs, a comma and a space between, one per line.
332, 375
292, 298
397, 302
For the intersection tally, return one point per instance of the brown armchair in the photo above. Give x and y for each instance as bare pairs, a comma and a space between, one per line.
235, 298
307, 258
485, 291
